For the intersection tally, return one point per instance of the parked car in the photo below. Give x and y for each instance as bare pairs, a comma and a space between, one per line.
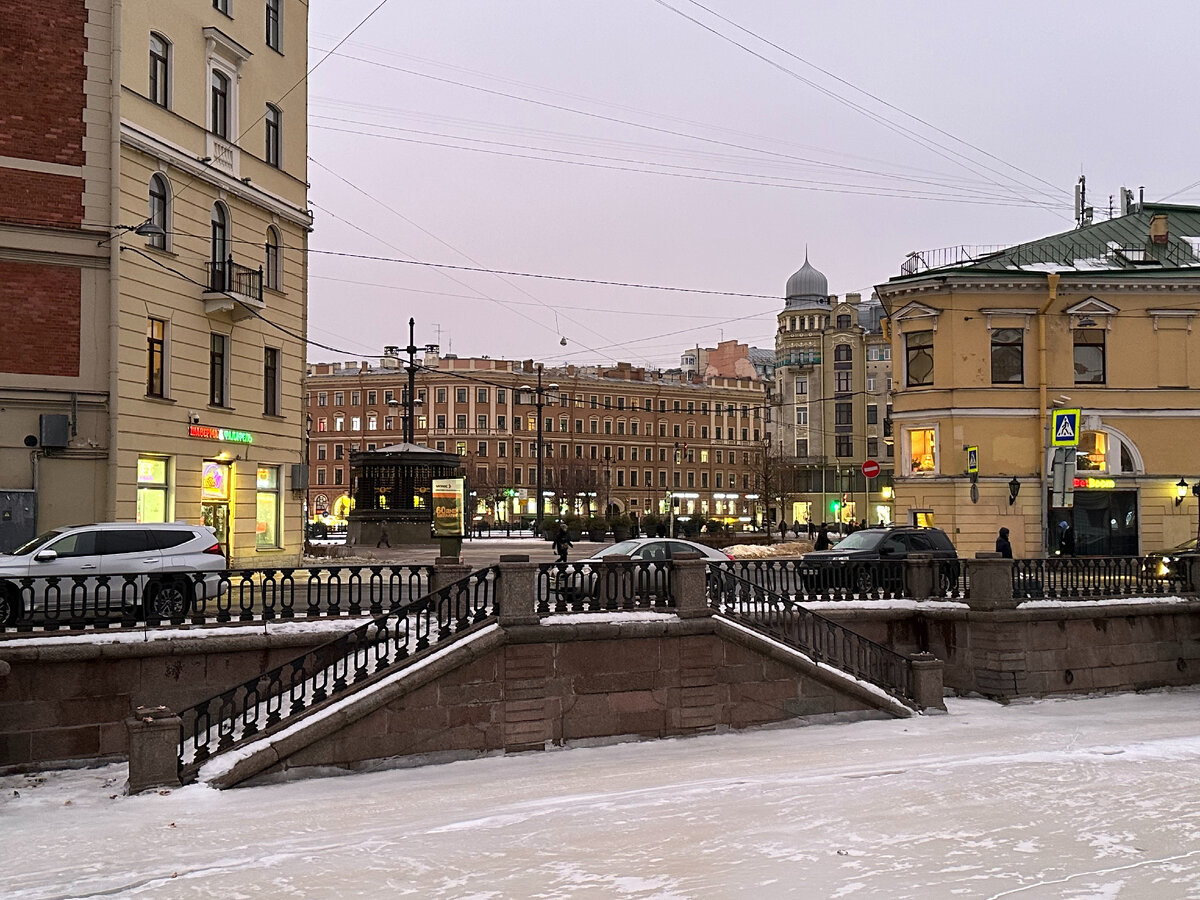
1165, 564
161, 556
861, 560
579, 579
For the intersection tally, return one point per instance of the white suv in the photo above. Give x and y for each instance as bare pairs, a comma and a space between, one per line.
152, 567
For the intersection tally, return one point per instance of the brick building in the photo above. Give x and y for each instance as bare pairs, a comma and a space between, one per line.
153, 222
620, 438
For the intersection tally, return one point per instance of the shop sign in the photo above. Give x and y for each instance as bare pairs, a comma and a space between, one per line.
448, 495
220, 434
1095, 484
214, 481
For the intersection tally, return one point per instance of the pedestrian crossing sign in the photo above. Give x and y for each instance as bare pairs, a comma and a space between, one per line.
1064, 428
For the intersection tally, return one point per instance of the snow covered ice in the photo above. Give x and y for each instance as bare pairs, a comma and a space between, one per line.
1079, 798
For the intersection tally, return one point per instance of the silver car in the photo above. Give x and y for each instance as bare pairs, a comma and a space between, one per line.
579, 579
108, 568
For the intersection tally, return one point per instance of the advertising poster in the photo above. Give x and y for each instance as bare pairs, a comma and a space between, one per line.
448, 506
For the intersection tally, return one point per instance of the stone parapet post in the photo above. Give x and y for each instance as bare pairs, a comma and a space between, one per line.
689, 586
1191, 562
447, 570
991, 582
516, 591
153, 748
927, 681
920, 576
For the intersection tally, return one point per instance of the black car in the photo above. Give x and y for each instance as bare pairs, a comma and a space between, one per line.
873, 558
1166, 564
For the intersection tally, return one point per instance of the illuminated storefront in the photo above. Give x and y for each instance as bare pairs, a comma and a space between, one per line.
153, 489
216, 479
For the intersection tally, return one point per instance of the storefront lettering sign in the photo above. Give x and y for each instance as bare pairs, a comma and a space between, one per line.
1095, 484
220, 434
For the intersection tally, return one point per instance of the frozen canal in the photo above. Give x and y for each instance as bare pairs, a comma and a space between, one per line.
1096, 798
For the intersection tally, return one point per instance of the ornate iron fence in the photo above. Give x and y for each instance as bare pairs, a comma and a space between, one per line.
80, 603
1100, 578
846, 580
776, 616
280, 695
603, 586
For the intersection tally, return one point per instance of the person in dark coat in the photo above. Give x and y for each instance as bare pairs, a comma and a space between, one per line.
783, 529
562, 542
1003, 547
1066, 539
823, 542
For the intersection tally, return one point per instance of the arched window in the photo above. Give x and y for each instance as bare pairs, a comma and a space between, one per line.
160, 70
273, 269
221, 271
843, 353
219, 105
160, 209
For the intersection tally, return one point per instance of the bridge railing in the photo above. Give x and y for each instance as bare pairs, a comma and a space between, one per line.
268, 701
99, 602
808, 582
605, 586
777, 616
1096, 578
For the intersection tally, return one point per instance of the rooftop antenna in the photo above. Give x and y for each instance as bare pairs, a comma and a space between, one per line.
1083, 212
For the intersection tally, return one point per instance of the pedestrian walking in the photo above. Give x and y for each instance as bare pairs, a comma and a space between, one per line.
812, 529
1066, 539
383, 537
562, 542
1003, 547
783, 529
823, 542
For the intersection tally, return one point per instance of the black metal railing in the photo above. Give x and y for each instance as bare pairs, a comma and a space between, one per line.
227, 277
603, 586
278, 696
867, 579
82, 603
772, 614
1097, 578
1172, 254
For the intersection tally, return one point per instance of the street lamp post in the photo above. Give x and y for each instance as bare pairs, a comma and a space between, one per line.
607, 479
539, 403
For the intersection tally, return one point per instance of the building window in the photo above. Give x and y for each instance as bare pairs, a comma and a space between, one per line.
843, 321
322, 397
160, 70
843, 445
871, 383
153, 494
339, 398
219, 245
842, 382
273, 269
338, 475
481, 423
872, 414
481, 449
1008, 356
460, 422
843, 353
273, 31
321, 451
222, 6
274, 123
918, 356
372, 422
922, 451
802, 447
219, 105
320, 476
460, 395
843, 414
801, 387
1089, 356
872, 447
271, 381
481, 395
218, 369
156, 358
160, 199
266, 523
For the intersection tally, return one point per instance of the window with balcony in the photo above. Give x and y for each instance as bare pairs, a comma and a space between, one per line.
218, 108
160, 70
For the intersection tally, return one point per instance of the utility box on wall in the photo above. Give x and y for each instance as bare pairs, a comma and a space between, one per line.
55, 431
18, 518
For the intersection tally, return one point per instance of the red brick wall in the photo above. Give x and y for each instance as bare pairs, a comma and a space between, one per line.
41, 108
40, 306
41, 95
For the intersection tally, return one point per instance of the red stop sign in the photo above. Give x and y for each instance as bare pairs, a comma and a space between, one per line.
870, 468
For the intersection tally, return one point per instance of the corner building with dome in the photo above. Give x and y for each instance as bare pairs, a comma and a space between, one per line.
830, 405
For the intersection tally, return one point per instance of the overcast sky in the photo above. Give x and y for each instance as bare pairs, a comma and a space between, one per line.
617, 140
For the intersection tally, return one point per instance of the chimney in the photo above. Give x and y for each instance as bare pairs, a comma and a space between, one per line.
854, 298
1158, 228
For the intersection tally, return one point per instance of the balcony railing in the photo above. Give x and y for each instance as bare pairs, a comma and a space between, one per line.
227, 277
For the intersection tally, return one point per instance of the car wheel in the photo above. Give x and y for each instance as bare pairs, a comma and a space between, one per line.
947, 582
169, 598
10, 605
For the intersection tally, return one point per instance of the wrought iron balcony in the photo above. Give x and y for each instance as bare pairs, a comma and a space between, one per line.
232, 287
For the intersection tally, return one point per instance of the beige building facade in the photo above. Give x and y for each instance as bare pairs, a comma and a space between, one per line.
991, 348
181, 400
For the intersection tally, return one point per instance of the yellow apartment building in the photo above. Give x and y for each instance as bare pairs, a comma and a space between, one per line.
988, 344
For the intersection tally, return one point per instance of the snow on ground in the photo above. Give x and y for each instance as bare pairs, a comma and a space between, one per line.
1075, 798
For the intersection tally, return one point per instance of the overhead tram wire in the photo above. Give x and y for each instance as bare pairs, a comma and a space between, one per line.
878, 99
928, 143
697, 172
461, 253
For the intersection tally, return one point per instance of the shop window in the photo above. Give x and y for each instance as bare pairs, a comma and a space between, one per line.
153, 489
1089, 356
922, 449
1008, 356
266, 524
918, 353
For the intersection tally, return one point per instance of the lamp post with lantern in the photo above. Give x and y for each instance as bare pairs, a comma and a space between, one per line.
540, 393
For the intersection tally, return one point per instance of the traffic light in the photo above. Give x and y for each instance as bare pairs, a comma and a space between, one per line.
834, 507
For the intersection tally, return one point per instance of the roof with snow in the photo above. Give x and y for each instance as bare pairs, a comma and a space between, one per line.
1154, 237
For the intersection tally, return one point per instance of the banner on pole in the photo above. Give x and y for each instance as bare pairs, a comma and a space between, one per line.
448, 506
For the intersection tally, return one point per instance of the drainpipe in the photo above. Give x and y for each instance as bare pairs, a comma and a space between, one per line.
1043, 421
114, 260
